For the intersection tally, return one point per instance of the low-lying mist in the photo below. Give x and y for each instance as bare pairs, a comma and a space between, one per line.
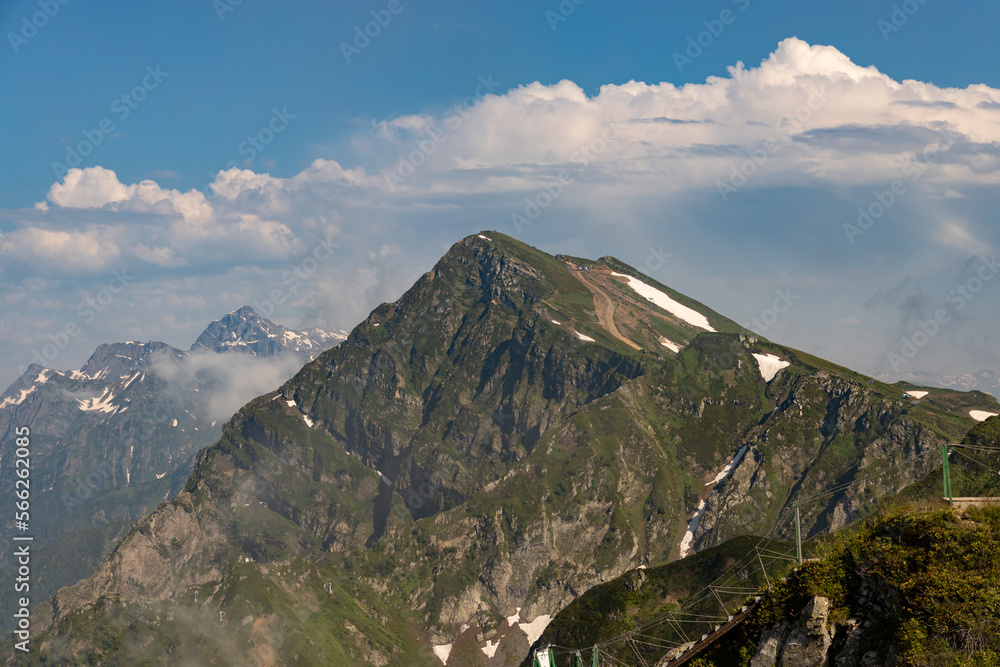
225, 382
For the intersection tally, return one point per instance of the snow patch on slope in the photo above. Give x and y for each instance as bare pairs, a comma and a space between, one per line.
101, 403
131, 380
981, 415
669, 344
11, 400
688, 539
535, 629
584, 338
918, 394
729, 467
692, 526
491, 647
442, 651
769, 365
689, 315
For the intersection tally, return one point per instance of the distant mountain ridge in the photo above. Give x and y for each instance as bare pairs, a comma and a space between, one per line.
116, 437
985, 380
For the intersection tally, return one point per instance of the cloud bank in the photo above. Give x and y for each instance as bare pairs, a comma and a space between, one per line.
808, 172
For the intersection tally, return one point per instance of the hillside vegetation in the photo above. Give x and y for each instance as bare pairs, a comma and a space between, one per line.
915, 584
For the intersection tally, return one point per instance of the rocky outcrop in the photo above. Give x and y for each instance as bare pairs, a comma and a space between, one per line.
804, 642
812, 640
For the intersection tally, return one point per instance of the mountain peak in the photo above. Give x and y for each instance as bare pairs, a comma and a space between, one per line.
247, 313
117, 359
244, 330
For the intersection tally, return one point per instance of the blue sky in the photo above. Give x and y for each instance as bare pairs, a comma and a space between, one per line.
327, 130
226, 75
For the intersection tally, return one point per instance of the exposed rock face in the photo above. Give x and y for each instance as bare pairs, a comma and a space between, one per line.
857, 429
804, 642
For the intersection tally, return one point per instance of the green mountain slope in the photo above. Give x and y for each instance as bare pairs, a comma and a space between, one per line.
514, 430
916, 584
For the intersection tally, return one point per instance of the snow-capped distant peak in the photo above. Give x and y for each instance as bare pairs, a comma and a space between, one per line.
245, 331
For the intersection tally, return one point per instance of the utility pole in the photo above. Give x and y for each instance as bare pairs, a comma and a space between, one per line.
946, 472
798, 535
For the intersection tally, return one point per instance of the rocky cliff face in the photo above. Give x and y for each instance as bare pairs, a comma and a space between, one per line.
474, 456
913, 584
826, 430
